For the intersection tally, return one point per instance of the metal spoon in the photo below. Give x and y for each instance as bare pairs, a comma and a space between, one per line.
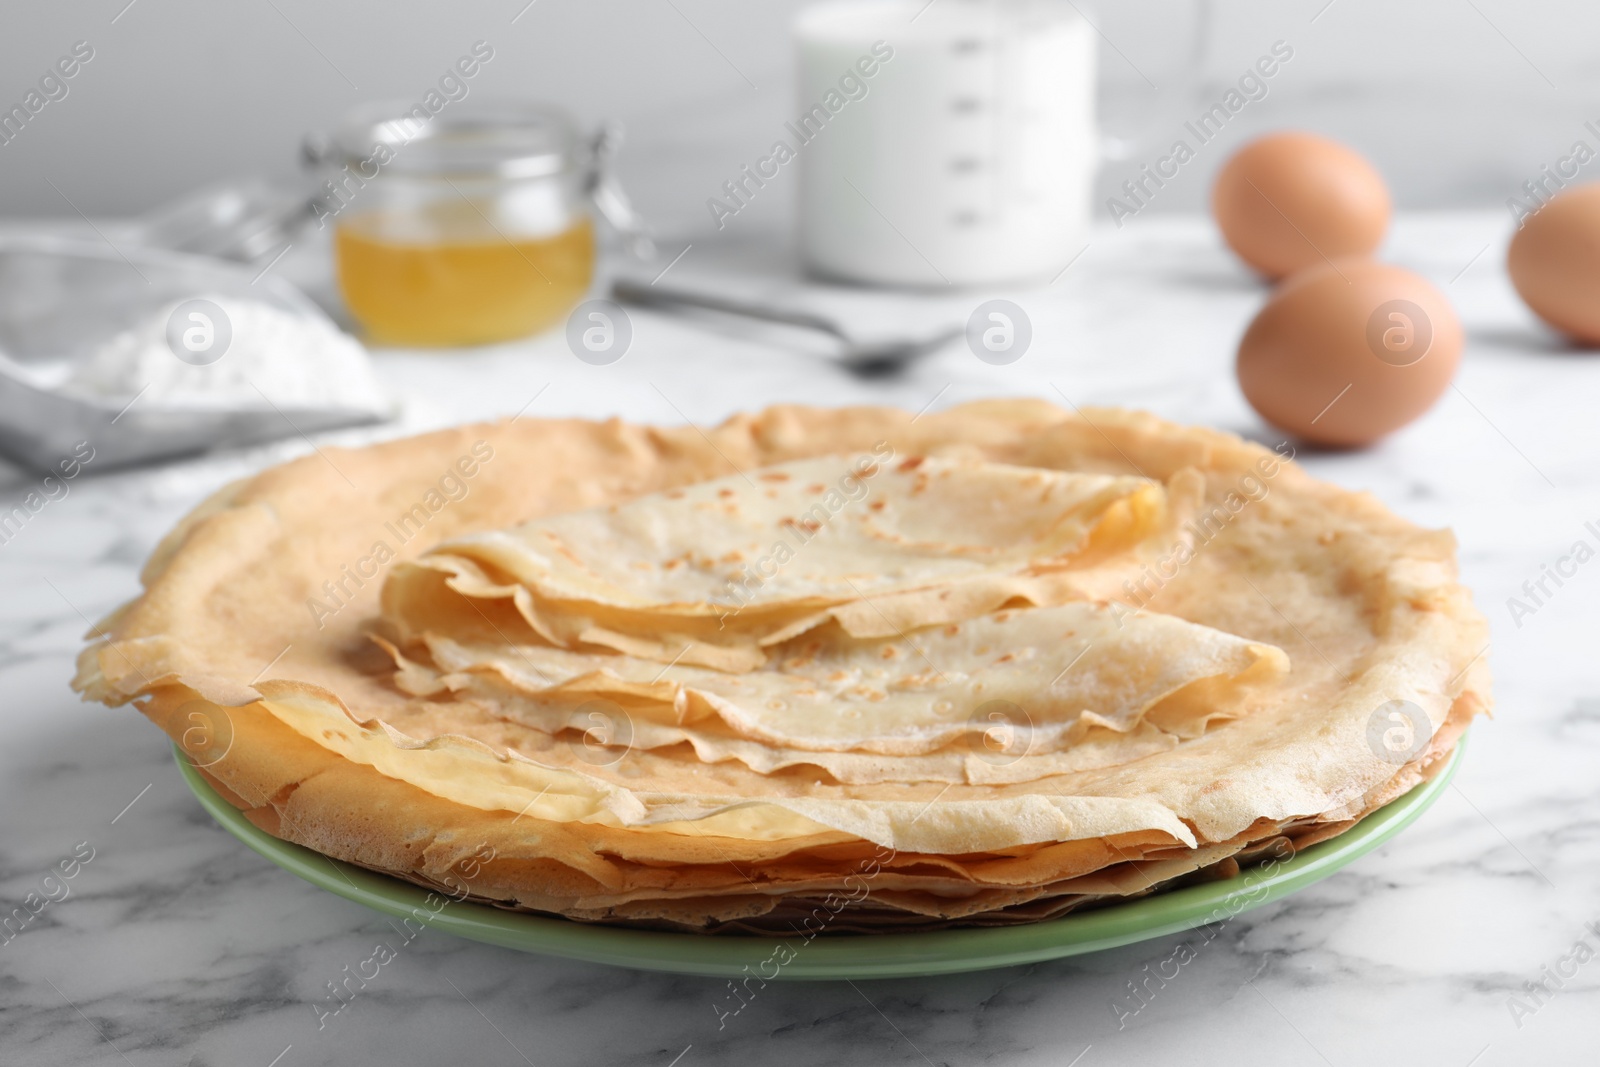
868, 359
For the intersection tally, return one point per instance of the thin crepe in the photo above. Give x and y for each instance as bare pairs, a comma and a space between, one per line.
1046, 674
714, 573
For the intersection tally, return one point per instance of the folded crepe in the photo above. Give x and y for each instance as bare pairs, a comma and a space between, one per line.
717, 573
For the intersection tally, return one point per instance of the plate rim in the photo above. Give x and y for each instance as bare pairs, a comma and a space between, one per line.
889, 955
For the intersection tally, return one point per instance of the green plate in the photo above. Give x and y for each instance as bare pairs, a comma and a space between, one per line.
845, 956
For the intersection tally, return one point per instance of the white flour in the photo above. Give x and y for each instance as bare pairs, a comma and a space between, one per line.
294, 361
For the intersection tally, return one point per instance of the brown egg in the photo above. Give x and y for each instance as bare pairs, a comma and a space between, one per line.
1554, 262
1348, 351
1291, 200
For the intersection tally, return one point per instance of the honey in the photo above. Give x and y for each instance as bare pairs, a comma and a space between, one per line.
449, 275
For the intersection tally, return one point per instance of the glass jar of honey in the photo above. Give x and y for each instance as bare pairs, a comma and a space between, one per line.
465, 227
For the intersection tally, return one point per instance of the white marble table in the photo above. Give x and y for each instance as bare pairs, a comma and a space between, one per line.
176, 945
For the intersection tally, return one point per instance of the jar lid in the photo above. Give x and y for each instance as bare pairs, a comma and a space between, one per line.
501, 139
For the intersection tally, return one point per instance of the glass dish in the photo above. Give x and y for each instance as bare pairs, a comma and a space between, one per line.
467, 227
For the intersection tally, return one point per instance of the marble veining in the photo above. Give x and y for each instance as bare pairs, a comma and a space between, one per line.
176, 945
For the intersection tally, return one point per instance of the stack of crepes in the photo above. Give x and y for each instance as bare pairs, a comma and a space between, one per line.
843, 670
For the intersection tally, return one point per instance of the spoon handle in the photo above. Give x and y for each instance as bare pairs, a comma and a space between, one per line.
647, 295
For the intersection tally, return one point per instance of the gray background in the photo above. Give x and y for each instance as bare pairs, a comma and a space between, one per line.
1458, 101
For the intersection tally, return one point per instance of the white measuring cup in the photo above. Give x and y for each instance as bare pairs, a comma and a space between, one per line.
951, 142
